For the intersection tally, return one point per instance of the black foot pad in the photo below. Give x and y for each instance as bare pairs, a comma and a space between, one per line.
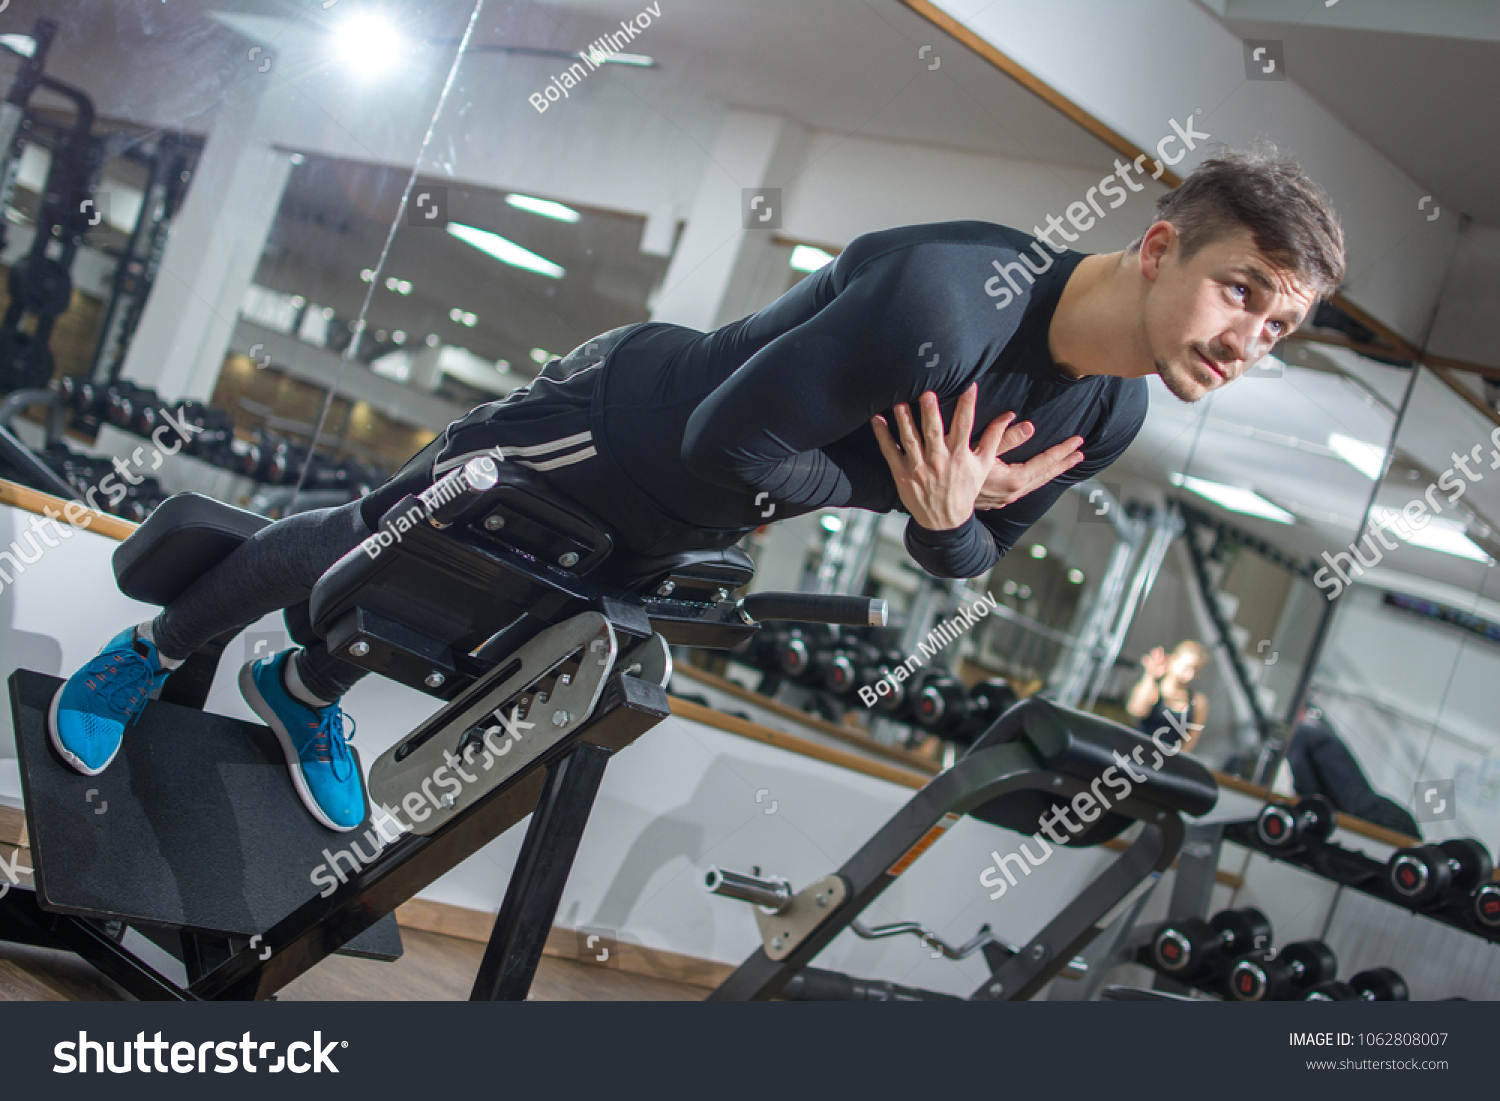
194, 825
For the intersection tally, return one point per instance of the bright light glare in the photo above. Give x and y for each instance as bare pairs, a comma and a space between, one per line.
1234, 499
1446, 536
369, 43
832, 522
545, 207
808, 258
507, 252
1366, 458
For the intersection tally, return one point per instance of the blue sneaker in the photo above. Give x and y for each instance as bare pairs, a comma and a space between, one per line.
90, 712
317, 749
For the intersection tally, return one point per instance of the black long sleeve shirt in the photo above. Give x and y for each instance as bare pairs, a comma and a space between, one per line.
775, 409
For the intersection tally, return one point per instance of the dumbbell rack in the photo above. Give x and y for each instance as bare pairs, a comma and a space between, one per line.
1198, 862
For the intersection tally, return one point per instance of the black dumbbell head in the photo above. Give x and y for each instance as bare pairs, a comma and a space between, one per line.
1332, 992
1419, 875
1474, 865
1276, 826
1243, 930
1487, 906
1317, 818
1295, 968
1179, 947
1380, 984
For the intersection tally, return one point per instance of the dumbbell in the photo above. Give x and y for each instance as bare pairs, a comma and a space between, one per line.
1486, 907
1380, 984
988, 700
794, 655
1422, 877
940, 702
1288, 829
1192, 950
893, 696
1285, 976
836, 669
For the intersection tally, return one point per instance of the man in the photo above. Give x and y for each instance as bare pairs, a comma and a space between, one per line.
677, 438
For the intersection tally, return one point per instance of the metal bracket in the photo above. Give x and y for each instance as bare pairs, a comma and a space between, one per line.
494, 730
781, 933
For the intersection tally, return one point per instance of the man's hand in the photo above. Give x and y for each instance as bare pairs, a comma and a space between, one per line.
941, 481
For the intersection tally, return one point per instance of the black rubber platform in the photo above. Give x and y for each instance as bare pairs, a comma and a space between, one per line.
195, 825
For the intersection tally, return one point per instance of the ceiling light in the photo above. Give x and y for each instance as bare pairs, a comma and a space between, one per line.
369, 43
1075, 576
1366, 458
1445, 536
832, 523
808, 258
462, 317
1234, 498
298, 158
298, 301
398, 337
433, 340
545, 207
540, 355
22, 44
1038, 551
367, 276
507, 252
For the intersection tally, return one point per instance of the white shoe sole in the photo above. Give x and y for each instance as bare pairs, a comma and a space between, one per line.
73, 762
267, 715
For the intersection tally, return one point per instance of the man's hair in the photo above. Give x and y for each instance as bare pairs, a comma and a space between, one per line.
1289, 217
1192, 646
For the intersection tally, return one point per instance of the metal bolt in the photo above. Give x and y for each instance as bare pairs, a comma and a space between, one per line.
776, 942
721, 594
434, 680
1057, 781
559, 718
568, 561
1037, 952
665, 588
821, 900
359, 649
494, 523
996, 989
447, 800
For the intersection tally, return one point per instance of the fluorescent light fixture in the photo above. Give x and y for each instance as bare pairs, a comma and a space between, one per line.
604, 57
369, 43
22, 44
1446, 536
832, 522
1366, 458
507, 252
545, 207
1234, 498
808, 258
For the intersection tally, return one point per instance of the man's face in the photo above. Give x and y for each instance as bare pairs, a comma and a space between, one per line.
1211, 318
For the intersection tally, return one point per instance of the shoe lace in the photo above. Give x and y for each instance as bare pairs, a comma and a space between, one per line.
330, 743
128, 681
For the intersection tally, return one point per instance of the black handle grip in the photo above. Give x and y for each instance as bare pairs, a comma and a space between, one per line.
857, 611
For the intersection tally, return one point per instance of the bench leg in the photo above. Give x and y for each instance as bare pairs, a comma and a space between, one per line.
536, 886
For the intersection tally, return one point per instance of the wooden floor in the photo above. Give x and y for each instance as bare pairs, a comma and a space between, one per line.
433, 968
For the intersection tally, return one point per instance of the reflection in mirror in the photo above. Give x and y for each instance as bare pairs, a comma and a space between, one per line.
1407, 674
182, 179
1261, 479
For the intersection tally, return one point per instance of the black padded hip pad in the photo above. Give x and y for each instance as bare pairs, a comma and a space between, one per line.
194, 825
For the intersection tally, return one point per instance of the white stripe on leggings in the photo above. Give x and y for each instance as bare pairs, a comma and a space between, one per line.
524, 449
566, 460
